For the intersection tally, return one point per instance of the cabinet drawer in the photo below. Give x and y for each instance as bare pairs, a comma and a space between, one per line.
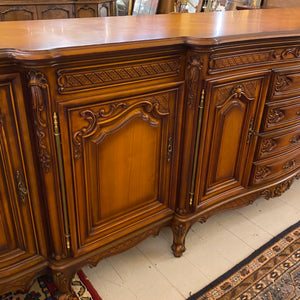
269, 169
281, 114
285, 83
278, 142
55, 11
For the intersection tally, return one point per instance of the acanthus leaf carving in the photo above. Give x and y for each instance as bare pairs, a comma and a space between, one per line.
275, 116
157, 105
282, 82
268, 145
261, 173
194, 67
277, 190
40, 92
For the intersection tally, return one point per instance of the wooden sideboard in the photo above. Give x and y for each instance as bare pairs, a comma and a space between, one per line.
11, 10
111, 128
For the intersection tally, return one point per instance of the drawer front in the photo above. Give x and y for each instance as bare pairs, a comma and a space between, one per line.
285, 84
55, 11
266, 170
278, 142
283, 114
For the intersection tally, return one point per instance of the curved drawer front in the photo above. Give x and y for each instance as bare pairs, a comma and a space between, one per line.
286, 83
281, 114
278, 142
269, 169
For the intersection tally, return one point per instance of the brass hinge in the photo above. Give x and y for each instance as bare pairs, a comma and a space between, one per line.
62, 179
197, 146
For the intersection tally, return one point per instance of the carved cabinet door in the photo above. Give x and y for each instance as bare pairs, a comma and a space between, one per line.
232, 110
19, 248
118, 156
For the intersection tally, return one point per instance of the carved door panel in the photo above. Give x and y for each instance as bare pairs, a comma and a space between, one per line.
86, 10
60, 11
229, 139
18, 13
118, 173
18, 237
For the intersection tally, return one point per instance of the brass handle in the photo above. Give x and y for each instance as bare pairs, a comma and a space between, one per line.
170, 148
289, 165
298, 113
21, 187
295, 139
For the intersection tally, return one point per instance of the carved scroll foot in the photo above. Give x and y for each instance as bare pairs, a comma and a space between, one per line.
180, 231
63, 282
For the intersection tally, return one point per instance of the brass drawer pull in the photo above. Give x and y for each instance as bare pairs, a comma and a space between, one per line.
21, 187
289, 165
295, 139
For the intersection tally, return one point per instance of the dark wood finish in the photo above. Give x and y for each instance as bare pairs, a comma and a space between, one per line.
108, 136
43, 10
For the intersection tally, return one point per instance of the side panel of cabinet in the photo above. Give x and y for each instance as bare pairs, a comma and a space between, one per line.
19, 245
231, 116
121, 154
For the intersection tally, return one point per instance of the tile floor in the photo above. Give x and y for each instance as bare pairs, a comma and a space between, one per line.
149, 271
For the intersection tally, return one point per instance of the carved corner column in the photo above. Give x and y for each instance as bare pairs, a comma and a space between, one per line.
42, 123
192, 99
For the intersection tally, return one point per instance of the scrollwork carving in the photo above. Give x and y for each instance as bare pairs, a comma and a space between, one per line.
282, 54
282, 83
268, 145
194, 67
261, 173
157, 105
275, 116
277, 190
40, 93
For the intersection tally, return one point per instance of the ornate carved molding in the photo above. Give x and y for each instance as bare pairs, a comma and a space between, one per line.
194, 67
282, 83
231, 61
268, 145
287, 53
218, 62
275, 116
277, 190
261, 173
40, 92
123, 246
71, 80
245, 89
157, 105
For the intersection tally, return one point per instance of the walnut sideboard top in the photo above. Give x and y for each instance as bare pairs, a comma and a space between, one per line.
48, 38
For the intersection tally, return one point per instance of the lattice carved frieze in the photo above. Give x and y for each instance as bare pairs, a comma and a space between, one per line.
70, 80
156, 106
218, 62
194, 67
39, 87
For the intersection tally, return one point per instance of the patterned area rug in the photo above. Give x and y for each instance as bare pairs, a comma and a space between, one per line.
43, 288
270, 273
